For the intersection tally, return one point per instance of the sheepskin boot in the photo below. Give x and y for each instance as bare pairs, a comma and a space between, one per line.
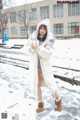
40, 107
59, 105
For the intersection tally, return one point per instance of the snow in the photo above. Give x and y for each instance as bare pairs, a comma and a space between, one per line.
15, 96
68, 51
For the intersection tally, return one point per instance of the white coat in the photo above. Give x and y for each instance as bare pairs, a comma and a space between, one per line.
44, 55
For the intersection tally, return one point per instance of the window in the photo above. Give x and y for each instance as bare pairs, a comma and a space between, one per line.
32, 14
44, 12
23, 31
32, 29
58, 10
74, 9
58, 28
13, 17
77, 9
13, 31
22, 15
73, 27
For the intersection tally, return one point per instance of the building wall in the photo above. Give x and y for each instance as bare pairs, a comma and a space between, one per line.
64, 20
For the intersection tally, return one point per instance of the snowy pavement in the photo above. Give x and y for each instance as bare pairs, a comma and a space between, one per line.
14, 93
66, 59
16, 99
66, 54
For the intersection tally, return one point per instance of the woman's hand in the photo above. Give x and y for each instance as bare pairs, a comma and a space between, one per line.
47, 47
34, 46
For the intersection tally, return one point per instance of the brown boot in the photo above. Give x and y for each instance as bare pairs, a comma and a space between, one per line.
40, 107
59, 105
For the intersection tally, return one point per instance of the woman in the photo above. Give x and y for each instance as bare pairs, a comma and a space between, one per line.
40, 45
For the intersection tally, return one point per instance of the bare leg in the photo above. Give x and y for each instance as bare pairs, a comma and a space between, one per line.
39, 94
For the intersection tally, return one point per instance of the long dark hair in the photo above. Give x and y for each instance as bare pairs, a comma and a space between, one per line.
44, 37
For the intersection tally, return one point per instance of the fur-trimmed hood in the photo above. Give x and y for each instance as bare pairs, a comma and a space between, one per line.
45, 22
50, 36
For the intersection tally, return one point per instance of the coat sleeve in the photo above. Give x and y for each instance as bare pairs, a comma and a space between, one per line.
29, 48
31, 40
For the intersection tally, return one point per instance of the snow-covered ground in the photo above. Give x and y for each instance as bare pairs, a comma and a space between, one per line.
15, 97
68, 53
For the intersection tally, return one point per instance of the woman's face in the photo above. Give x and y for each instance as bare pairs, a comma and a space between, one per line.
42, 30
